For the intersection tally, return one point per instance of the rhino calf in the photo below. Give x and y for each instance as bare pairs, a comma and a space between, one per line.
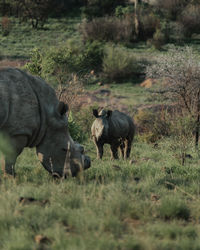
32, 116
114, 128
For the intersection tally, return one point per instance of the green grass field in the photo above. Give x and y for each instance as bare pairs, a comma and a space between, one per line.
151, 202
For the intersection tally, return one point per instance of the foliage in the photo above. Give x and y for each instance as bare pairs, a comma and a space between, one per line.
170, 8
6, 25
98, 8
148, 23
120, 10
158, 39
108, 29
152, 126
85, 118
181, 72
68, 92
190, 19
35, 12
119, 63
174, 208
35, 64
75, 130
60, 62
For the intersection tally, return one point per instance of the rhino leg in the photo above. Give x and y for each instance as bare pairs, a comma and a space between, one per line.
114, 149
99, 147
128, 143
17, 143
122, 146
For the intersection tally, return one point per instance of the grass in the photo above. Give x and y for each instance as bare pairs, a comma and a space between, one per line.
108, 207
22, 38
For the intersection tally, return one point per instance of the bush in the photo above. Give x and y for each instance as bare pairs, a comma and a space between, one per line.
152, 126
6, 26
190, 19
75, 130
170, 8
35, 64
173, 208
120, 11
119, 63
158, 39
60, 62
85, 118
99, 8
148, 25
109, 29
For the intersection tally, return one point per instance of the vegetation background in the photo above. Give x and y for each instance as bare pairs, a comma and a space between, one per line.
94, 53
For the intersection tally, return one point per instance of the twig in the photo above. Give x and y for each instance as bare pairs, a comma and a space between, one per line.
181, 190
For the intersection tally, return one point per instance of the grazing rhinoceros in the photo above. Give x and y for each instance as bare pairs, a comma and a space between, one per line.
32, 116
114, 128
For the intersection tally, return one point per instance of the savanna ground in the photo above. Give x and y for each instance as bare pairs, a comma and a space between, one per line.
150, 202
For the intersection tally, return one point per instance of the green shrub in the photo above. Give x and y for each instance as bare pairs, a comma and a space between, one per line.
152, 126
35, 64
121, 10
75, 130
85, 118
173, 208
60, 62
108, 29
119, 63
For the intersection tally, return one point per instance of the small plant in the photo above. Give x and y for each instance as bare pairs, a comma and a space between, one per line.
6, 26
152, 126
148, 25
182, 129
75, 130
119, 64
173, 208
35, 64
158, 39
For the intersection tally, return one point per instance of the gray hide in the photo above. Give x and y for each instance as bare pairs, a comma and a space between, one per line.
114, 128
32, 116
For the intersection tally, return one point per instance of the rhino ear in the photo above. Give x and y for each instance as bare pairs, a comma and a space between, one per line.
109, 113
95, 113
62, 108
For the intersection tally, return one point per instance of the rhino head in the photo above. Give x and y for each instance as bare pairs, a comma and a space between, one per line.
57, 151
101, 124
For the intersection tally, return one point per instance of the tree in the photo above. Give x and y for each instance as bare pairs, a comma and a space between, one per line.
35, 11
180, 69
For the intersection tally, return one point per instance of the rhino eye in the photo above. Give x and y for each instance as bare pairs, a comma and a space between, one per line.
64, 149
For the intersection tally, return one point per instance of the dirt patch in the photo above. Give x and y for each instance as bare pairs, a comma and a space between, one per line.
12, 63
148, 83
103, 99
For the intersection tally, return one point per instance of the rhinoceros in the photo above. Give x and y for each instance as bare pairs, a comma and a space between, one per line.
115, 128
32, 116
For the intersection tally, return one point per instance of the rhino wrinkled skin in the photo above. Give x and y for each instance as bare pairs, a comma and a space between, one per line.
32, 116
114, 128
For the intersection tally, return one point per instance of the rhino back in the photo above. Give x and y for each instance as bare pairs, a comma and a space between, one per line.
24, 99
120, 124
